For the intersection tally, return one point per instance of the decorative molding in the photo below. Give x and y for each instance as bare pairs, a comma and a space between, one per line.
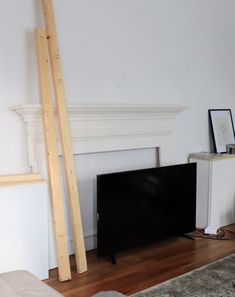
34, 110
101, 128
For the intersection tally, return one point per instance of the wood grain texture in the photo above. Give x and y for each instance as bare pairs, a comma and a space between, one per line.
70, 173
52, 155
144, 267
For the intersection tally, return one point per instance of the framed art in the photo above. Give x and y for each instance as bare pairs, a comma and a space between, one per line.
222, 128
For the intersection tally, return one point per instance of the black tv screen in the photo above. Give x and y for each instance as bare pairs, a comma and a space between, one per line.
138, 207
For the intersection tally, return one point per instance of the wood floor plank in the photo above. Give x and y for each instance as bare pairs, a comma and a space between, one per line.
144, 267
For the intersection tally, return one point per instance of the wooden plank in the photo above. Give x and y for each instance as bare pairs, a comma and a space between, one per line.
70, 173
20, 178
12, 184
52, 155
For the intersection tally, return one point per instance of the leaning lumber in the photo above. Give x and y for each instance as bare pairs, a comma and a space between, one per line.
52, 155
62, 112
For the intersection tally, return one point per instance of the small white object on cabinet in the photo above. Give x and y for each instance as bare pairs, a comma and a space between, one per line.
24, 227
215, 191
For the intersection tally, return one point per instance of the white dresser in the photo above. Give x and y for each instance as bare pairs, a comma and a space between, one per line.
215, 190
24, 227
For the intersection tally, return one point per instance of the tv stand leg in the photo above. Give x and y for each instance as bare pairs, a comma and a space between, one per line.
188, 236
113, 259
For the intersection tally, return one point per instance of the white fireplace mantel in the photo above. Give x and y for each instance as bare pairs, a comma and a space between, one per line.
102, 128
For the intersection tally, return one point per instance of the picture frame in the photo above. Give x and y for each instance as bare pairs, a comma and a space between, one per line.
221, 123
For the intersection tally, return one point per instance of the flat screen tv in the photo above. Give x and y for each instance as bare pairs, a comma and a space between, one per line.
139, 207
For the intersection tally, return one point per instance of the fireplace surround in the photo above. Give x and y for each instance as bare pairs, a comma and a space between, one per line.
103, 128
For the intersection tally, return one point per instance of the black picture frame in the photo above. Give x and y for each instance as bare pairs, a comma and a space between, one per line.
221, 122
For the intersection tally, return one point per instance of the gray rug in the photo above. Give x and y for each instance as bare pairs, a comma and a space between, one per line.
213, 280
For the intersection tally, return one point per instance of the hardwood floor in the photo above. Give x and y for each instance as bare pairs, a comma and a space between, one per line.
143, 267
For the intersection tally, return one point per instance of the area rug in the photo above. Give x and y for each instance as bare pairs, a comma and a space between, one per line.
213, 280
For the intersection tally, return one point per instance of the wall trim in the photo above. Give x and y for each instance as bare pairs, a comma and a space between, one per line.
102, 128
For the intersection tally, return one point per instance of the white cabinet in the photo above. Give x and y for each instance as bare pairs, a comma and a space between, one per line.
215, 191
24, 228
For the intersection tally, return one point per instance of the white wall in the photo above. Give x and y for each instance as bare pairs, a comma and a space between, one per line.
17, 79
132, 51
152, 51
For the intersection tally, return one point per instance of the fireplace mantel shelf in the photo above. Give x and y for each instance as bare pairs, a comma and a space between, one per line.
34, 110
